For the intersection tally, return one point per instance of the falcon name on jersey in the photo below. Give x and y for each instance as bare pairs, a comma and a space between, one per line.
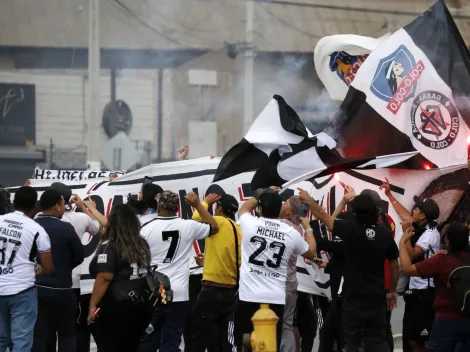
20, 240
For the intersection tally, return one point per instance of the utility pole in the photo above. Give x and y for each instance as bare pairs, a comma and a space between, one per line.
93, 149
249, 67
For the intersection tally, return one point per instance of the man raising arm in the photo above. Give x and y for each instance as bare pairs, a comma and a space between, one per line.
251, 204
366, 246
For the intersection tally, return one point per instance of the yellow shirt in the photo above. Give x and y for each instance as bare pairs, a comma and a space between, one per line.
219, 252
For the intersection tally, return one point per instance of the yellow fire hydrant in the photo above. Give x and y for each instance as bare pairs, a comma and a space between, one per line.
263, 338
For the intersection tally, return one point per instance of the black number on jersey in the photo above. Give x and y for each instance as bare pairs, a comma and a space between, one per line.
175, 241
277, 247
17, 245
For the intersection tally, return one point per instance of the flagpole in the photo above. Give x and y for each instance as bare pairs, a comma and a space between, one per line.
249, 67
93, 147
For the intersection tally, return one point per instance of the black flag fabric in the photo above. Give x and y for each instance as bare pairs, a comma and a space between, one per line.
278, 145
410, 94
280, 148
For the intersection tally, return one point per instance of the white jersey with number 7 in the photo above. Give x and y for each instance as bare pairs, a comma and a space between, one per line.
170, 240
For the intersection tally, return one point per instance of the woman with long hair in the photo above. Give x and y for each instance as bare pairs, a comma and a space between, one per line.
122, 256
146, 206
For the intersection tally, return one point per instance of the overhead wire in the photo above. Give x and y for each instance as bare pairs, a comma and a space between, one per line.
147, 25
287, 24
193, 30
350, 8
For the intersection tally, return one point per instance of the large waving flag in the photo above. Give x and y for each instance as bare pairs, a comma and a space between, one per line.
280, 148
408, 94
339, 57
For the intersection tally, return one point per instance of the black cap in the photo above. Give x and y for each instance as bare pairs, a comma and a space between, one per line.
228, 203
372, 194
428, 206
62, 189
271, 202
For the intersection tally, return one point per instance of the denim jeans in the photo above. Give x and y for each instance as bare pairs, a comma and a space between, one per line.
17, 318
168, 329
451, 335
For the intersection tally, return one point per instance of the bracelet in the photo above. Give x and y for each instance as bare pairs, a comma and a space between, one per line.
309, 230
394, 202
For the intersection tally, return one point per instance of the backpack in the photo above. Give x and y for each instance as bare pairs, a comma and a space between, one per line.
459, 283
158, 293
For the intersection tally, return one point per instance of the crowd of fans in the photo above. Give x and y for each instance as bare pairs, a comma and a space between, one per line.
249, 258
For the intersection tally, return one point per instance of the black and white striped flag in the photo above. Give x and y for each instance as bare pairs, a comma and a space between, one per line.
281, 149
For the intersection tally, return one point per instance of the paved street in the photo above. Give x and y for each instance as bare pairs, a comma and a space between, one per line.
396, 328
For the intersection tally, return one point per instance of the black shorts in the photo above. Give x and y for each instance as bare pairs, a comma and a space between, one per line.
419, 315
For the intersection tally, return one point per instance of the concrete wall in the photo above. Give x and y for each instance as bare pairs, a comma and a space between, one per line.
163, 24
292, 78
62, 104
62, 109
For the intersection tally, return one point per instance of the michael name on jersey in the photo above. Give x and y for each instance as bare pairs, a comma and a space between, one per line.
270, 233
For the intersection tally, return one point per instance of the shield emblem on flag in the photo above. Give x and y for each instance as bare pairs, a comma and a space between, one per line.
345, 65
391, 72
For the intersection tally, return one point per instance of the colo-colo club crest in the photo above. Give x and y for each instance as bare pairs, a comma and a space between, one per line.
345, 65
395, 78
434, 120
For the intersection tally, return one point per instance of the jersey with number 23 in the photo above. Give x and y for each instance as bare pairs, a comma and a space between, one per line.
170, 240
267, 246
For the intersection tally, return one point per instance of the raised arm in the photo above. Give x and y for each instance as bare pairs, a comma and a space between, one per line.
192, 199
312, 245
316, 209
209, 201
347, 198
247, 207
183, 152
96, 214
400, 209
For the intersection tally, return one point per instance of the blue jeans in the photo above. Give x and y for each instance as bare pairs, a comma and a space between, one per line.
449, 335
17, 318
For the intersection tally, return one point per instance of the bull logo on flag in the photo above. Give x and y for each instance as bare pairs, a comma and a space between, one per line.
345, 65
395, 78
435, 120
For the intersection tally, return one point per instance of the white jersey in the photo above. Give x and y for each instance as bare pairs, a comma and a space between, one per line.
430, 243
21, 238
82, 224
171, 240
145, 218
267, 246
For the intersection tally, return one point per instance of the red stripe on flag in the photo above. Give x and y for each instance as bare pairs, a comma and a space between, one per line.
108, 208
91, 188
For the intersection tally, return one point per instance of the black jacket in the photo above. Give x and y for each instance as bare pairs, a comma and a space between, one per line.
336, 252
